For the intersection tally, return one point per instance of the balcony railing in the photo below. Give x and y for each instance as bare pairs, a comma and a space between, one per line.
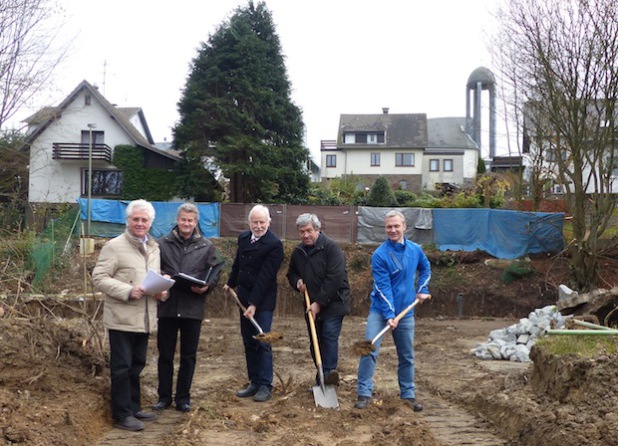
77, 151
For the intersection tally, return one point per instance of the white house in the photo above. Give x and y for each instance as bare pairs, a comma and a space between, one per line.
451, 155
410, 150
77, 137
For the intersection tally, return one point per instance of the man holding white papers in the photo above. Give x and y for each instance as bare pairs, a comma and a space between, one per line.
130, 312
187, 252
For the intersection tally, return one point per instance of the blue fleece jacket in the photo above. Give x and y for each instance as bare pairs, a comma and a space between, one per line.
394, 267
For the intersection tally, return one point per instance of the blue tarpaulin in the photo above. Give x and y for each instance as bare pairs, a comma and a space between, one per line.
501, 233
113, 211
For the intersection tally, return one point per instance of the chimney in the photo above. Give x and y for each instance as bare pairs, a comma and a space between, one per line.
385, 110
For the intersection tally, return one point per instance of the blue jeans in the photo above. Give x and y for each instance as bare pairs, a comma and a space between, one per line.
259, 355
403, 336
328, 331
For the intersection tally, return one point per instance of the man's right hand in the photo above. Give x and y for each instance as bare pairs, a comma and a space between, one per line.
137, 292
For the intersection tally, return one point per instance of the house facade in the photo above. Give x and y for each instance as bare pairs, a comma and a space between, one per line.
414, 153
68, 142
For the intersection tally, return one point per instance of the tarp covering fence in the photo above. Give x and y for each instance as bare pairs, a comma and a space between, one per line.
502, 233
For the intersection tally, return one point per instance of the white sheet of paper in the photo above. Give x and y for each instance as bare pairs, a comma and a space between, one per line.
155, 283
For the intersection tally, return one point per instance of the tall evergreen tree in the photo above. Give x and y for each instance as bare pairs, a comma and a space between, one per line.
236, 108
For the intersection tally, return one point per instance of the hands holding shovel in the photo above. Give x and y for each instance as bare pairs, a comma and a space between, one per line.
249, 313
366, 347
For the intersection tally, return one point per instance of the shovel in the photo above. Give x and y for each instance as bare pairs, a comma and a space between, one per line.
324, 396
366, 347
261, 336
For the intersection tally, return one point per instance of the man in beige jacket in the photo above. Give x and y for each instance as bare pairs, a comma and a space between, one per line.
129, 313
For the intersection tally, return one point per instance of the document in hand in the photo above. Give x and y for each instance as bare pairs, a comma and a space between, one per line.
155, 283
187, 281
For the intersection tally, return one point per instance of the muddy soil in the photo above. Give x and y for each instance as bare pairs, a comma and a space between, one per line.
54, 380
54, 391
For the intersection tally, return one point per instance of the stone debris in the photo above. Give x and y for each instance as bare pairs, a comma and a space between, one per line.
513, 343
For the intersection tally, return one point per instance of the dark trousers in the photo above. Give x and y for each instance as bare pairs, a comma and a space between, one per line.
328, 331
259, 355
126, 362
167, 335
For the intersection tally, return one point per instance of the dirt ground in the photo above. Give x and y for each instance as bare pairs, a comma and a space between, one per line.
54, 380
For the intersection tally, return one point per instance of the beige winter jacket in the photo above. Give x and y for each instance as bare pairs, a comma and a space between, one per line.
123, 263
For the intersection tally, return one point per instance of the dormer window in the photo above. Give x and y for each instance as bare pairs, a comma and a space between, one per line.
87, 99
363, 138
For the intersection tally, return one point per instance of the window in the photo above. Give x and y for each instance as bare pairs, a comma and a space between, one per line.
434, 165
375, 159
104, 182
98, 137
331, 160
87, 99
349, 138
403, 184
404, 159
364, 138
448, 165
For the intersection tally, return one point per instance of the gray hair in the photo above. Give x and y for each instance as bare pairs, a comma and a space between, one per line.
305, 219
189, 208
259, 208
395, 213
143, 205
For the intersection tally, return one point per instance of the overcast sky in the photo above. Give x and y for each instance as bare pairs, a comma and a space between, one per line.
342, 56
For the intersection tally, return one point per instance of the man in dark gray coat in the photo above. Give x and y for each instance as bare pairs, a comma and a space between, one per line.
183, 250
318, 265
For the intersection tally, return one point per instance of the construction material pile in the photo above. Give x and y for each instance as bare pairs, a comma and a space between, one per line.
514, 342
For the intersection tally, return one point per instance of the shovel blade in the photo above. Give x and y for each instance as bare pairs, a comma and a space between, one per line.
325, 398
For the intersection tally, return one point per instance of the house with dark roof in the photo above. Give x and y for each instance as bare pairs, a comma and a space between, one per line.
378, 144
414, 153
77, 137
451, 155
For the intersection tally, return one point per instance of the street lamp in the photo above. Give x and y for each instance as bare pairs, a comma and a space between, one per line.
90, 127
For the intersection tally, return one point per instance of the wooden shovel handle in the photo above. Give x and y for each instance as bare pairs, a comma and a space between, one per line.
314, 335
397, 319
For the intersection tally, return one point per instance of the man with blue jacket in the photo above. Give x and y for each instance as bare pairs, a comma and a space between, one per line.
394, 265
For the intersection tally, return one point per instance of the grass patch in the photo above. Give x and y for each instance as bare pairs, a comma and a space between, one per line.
579, 345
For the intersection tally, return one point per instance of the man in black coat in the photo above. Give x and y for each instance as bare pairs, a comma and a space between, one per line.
318, 265
183, 250
254, 276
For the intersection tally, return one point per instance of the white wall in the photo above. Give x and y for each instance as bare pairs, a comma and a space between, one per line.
58, 181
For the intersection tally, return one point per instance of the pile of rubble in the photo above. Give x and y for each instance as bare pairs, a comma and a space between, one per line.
514, 342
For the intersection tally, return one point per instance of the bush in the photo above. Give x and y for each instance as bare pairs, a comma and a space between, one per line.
405, 197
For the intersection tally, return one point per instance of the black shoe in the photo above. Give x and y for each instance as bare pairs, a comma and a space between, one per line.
145, 416
362, 402
263, 394
416, 407
161, 405
251, 390
129, 424
183, 407
332, 378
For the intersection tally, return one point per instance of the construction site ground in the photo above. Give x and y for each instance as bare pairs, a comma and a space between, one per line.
54, 379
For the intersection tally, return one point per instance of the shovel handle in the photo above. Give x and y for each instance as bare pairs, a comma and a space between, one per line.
232, 293
397, 319
314, 335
